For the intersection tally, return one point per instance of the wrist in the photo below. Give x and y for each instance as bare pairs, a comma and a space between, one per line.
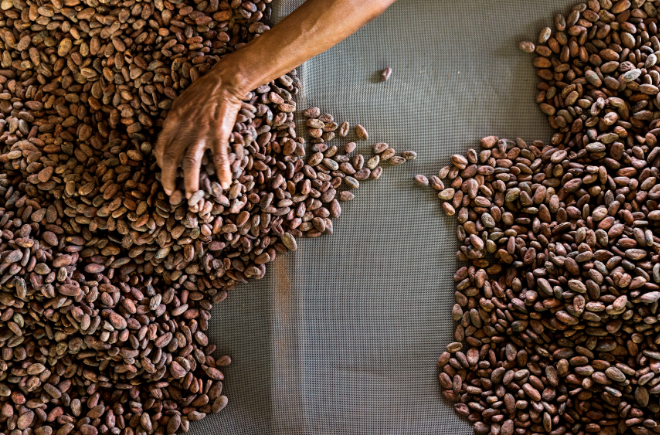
238, 73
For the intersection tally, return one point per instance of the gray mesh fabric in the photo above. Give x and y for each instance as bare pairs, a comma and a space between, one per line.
342, 336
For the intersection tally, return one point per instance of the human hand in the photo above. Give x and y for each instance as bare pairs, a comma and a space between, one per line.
201, 118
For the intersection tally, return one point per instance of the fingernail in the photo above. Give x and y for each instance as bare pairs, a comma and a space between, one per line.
168, 192
188, 195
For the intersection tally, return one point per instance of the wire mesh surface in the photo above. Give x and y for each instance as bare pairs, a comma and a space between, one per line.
342, 336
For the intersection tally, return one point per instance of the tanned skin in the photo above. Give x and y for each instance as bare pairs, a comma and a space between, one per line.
203, 116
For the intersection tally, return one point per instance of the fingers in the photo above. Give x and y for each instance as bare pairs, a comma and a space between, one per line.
221, 162
181, 150
192, 161
168, 155
168, 172
165, 138
226, 116
186, 145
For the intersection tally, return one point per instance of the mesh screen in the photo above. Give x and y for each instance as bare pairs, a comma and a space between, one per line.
342, 336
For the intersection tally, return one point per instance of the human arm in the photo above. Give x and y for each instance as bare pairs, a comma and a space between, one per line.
203, 116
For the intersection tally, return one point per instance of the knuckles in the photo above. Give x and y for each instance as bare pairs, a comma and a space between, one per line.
220, 158
189, 163
169, 156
